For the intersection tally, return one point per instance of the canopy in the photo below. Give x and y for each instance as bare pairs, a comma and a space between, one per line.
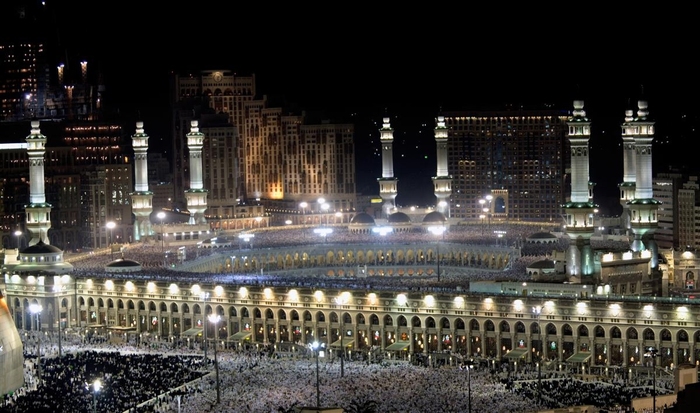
241, 335
192, 331
580, 357
346, 342
516, 354
398, 346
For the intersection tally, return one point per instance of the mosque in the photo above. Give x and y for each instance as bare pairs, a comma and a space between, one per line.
45, 265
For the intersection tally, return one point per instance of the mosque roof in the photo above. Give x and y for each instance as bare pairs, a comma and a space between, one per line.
41, 248
542, 235
398, 218
121, 263
543, 264
362, 218
435, 216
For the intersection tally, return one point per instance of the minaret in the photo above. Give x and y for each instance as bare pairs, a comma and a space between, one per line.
442, 181
643, 208
629, 161
580, 209
196, 196
387, 183
38, 212
141, 198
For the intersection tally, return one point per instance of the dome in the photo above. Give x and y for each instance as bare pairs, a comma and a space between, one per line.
542, 237
545, 264
434, 217
123, 265
362, 218
398, 218
41, 248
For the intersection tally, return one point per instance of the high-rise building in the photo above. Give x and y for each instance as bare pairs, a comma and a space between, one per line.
206, 92
521, 153
665, 187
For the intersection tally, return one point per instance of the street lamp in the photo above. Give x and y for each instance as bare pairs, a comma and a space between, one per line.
96, 386
489, 198
303, 206
482, 217
161, 216
35, 309
316, 347
215, 318
537, 310
111, 226
468, 365
18, 233
653, 353
325, 207
440, 231
204, 297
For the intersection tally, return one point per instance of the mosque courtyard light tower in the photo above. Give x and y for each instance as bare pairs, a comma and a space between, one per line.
580, 209
387, 183
442, 181
196, 195
141, 198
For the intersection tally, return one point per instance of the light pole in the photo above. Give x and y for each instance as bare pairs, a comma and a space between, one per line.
653, 353
468, 366
204, 297
215, 318
161, 216
482, 217
316, 347
35, 309
18, 233
324, 208
440, 231
303, 206
60, 352
537, 310
489, 198
96, 386
111, 226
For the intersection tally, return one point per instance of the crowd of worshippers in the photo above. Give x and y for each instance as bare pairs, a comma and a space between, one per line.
66, 384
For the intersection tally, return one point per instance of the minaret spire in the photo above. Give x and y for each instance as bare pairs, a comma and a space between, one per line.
580, 209
387, 183
196, 195
38, 212
141, 198
442, 181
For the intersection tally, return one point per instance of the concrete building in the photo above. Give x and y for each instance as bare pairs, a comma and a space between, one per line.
522, 153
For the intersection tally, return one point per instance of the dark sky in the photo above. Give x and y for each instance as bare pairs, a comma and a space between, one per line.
402, 62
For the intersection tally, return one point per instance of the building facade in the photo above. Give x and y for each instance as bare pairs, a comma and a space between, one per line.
522, 153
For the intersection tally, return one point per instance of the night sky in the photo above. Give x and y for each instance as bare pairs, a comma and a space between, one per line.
366, 63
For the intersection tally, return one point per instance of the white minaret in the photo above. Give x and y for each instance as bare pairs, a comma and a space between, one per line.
643, 208
387, 183
442, 181
580, 209
196, 195
629, 162
38, 212
141, 198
